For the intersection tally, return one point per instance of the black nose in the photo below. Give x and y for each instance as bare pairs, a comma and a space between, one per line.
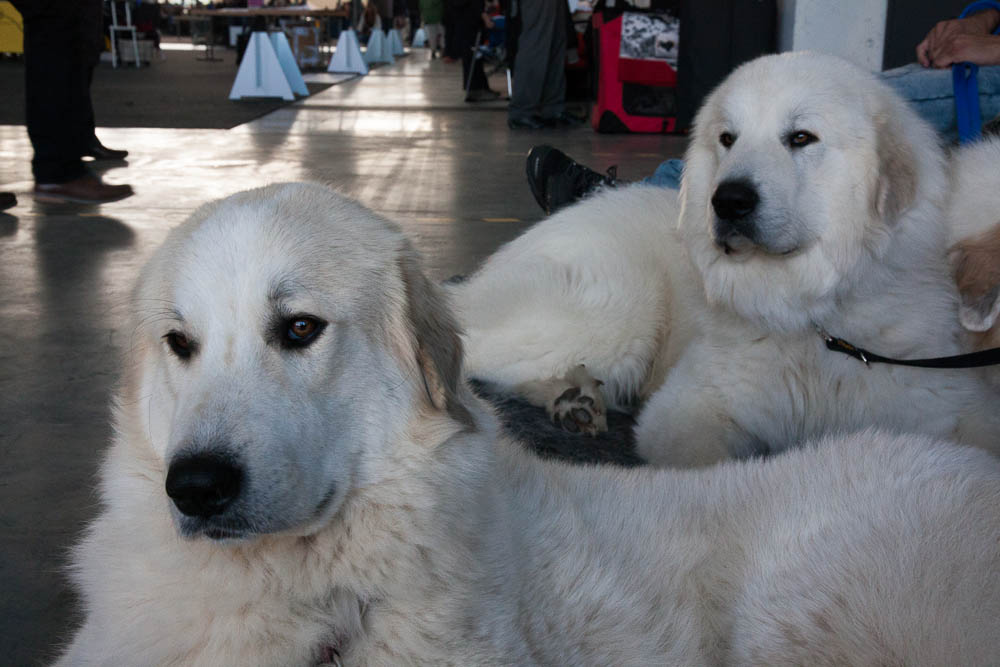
203, 485
734, 200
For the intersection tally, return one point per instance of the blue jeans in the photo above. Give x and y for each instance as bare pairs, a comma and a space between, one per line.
667, 175
929, 91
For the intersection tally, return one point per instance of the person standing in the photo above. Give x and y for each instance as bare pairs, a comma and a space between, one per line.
432, 14
62, 45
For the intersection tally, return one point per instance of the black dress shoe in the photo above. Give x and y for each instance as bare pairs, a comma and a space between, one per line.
482, 95
565, 119
99, 151
7, 200
525, 124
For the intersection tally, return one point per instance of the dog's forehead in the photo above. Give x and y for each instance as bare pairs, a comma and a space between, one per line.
788, 91
294, 243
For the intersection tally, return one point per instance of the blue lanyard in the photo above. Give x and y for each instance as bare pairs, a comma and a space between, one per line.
963, 77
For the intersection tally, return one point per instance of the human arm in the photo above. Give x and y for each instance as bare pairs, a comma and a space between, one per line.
962, 40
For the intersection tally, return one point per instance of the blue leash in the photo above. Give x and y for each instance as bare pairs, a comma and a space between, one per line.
966, 86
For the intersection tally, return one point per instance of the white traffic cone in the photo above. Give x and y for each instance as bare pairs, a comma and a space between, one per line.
396, 43
260, 73
378, 48
288, 65
347, 58
419, 39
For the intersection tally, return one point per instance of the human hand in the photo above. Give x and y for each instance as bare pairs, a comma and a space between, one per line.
962, 40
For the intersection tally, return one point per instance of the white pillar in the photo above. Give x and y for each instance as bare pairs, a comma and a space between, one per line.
851, 29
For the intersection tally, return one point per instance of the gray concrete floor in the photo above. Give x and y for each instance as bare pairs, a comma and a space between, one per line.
399, 140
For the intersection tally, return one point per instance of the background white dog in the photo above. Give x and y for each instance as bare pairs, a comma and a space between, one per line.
300, 476
974, 219
812, 198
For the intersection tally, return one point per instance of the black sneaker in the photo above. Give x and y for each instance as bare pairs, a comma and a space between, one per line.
556, 180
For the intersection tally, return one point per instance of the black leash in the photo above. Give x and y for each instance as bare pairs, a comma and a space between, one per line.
971, 360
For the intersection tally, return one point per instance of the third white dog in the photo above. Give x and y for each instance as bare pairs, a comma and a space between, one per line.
812, 199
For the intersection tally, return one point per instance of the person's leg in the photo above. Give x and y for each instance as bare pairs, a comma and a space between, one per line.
55, 117
450, 40
530, 65
414, 24
989, 92
553, 101
433, 32
932, 95
51, 92
88, 44
667, 175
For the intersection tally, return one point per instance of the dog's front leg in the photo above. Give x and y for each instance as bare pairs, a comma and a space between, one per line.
691, 421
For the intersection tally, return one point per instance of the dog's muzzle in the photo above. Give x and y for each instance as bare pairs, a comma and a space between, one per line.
734, 203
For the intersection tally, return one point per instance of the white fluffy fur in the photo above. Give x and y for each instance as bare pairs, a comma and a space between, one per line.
974, 222
445, 544
723, 347
974, 195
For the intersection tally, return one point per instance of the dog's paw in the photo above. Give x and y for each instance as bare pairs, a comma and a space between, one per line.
580, 408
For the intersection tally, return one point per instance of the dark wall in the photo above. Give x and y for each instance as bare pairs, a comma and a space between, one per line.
715, 37
908, 21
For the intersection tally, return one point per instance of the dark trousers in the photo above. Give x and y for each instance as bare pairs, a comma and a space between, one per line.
539, 86
61, 47
468, 24
450, 41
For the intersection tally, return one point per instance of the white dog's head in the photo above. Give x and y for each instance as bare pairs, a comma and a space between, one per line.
286, 339
801, 168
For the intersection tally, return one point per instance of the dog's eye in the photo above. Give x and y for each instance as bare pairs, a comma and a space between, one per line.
727, 139
301, 330
179, 344
801, 138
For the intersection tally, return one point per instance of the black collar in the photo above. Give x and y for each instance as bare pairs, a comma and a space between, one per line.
971, 360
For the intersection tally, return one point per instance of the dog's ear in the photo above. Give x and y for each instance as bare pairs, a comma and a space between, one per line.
437, 340
976, 266
896, 184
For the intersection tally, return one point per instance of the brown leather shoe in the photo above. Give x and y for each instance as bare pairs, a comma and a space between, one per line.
87, 189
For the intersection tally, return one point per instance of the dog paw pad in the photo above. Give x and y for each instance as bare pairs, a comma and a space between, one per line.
580, 409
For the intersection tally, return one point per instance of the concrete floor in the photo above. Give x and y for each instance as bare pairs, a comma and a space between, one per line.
400, 140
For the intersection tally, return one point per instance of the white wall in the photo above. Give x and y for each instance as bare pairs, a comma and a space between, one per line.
852, 29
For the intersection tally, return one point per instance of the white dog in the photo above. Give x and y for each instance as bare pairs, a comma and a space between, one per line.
300, 476
812, 198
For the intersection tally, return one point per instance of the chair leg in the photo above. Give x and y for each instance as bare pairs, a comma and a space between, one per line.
114, 36
131, 28
135, 49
